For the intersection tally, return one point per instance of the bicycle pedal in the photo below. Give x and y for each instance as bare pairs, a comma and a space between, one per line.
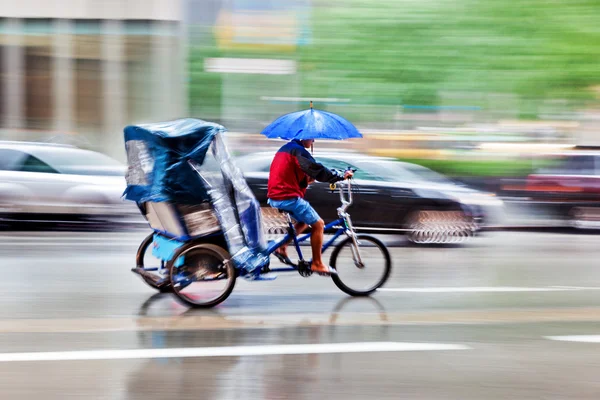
304, 268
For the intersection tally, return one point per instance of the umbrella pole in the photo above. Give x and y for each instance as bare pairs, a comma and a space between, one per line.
312, 145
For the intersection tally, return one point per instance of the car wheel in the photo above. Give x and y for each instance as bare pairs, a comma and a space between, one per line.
431, 226
584, 217
576, 218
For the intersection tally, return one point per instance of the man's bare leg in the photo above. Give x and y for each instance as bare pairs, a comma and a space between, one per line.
316, 242
299, 227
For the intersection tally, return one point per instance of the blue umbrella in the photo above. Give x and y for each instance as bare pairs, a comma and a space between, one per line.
311, 124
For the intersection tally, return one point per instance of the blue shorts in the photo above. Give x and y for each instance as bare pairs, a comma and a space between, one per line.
298, 208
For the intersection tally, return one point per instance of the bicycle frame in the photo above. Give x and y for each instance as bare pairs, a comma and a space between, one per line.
344, 227
291, 236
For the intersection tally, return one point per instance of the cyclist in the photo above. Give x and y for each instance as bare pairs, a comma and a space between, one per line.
292, 170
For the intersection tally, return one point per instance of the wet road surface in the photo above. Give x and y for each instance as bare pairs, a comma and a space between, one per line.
508, 315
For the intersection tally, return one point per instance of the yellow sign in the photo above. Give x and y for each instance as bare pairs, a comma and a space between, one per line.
269, 30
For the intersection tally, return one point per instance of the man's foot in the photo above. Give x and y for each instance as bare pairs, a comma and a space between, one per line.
322, 269
282, 256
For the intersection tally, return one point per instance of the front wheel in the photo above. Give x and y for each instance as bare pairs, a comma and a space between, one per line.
361, 279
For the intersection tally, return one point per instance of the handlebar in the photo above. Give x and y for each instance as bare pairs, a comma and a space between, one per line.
345, 202
343, 172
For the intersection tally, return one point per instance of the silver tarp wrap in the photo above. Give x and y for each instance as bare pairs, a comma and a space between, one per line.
158, 156
235, 206
140, 162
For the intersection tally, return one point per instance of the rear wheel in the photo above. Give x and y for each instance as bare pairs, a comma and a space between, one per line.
361, 279
206, 276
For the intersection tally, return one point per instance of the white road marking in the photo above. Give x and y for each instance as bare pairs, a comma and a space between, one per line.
83, 236
229, 351
70, 241
66, 238
576, 338
489, 289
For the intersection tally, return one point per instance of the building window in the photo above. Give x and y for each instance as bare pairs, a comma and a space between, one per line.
38, 49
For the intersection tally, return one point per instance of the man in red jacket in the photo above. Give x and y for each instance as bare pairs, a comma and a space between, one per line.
292, 170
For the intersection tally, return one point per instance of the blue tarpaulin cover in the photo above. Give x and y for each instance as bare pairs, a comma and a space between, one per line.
158, 157
186, 161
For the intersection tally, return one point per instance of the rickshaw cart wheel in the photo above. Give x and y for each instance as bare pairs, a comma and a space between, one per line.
206, 277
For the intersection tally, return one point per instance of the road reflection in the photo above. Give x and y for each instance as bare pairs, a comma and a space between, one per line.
243, 377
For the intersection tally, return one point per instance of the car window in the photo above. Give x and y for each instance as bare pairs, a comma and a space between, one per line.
577, 165
10, 160
426, 174
81, 162
392, 171
332, 164
265, 167
360, 173
34, 164
254, 164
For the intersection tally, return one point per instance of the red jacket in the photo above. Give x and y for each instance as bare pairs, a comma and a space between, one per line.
290, 170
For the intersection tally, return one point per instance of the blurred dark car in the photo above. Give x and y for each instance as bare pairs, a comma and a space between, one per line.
389, 196
569, 190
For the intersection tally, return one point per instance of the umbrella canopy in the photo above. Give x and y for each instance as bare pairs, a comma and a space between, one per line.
311, 124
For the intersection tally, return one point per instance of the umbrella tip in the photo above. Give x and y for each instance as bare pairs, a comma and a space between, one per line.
311, 105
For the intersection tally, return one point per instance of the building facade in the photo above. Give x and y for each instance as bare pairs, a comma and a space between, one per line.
80, 70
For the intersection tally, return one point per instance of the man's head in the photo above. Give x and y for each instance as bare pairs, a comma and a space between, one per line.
307, 143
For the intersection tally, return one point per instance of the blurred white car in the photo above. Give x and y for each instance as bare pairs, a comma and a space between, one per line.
49, 181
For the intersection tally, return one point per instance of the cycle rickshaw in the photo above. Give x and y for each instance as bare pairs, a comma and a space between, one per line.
208, 227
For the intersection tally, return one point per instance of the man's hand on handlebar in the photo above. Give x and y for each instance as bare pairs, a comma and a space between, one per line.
349, 173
